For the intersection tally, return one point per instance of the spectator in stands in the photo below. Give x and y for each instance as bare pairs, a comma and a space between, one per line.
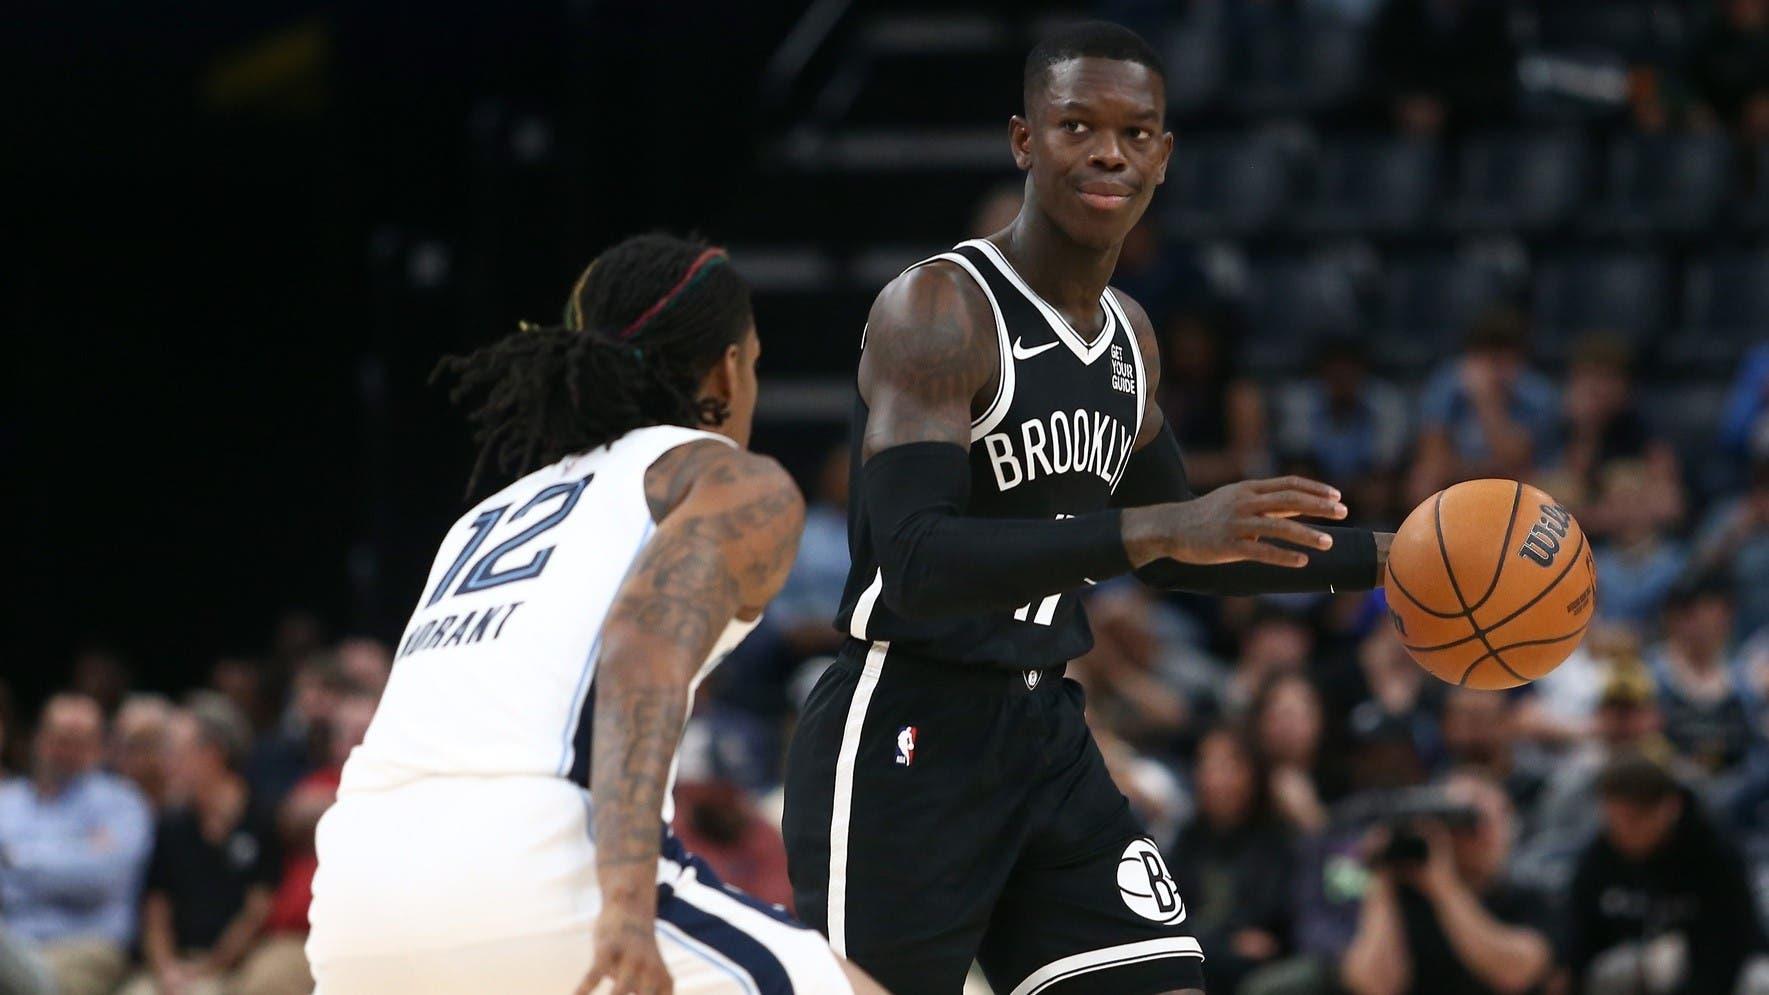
1661, 894
1349, 427
1236, 861
279, 963
242, 682
1728, 67
1443, 64
1399, 692
1451, 924
215, 861
1744, 425
297, 744
367, 663
138, 745
1734, 542
1486, 413
1637, 562
808, 602
1480, 733
1627, 723
1217, 413
73, 841
1124, 674
1289, 728
1274, 641
1601, 425
1709, 708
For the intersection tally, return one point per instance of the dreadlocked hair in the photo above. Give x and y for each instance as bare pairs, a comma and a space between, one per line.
643, 325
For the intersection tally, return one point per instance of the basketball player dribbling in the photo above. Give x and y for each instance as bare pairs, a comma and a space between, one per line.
503, 826
945, 801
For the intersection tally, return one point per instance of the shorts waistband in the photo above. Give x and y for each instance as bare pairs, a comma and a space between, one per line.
947, 673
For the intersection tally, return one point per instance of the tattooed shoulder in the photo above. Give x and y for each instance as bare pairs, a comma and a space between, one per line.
930, 359
668, 478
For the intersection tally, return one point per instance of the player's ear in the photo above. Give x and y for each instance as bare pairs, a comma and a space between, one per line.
1166, 157
721, 381
1019, 137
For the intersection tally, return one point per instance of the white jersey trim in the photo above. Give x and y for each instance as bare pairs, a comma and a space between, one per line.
1107, 957
1083, 351
842, 813
984, 423
863, 607
1142, 385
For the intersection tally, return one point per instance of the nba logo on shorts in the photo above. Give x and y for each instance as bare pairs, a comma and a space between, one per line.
906, 745
1148, 890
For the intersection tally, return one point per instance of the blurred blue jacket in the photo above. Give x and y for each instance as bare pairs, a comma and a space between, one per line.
71, 864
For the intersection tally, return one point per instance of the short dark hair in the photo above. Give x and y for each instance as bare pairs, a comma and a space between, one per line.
1637, 779
1699, 585
643, 325
1086, 40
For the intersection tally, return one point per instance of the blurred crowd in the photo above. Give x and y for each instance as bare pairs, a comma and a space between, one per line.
1338, 820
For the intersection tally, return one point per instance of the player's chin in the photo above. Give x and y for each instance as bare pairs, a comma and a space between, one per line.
1099, 232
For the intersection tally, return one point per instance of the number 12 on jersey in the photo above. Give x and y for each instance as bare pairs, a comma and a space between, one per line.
485, 573
1046, 607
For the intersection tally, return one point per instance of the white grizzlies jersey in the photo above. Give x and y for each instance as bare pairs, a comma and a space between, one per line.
496, 672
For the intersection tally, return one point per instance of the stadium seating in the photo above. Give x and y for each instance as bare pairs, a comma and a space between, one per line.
1622, 294
1669, 183
1526, 183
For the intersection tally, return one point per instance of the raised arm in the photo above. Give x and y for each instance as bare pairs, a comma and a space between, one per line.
728, 524
1156, 474
930, 356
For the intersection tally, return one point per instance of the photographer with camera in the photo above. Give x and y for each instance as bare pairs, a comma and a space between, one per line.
1438, 916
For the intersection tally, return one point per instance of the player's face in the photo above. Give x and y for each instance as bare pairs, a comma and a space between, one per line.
1095, 146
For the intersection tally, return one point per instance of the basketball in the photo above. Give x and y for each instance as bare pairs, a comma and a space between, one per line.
1490, 584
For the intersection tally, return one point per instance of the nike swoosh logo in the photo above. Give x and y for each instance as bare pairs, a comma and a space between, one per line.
1021, 352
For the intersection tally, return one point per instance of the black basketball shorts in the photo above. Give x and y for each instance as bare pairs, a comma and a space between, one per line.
938, 814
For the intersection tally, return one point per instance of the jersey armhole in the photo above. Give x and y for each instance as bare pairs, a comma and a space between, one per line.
1142, 403
992, 415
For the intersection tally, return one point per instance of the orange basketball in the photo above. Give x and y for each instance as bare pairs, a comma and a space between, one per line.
1490, 584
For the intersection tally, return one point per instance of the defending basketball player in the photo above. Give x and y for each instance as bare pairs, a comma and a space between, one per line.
945, 800
504, 826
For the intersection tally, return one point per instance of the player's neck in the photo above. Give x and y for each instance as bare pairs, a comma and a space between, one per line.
1069, 275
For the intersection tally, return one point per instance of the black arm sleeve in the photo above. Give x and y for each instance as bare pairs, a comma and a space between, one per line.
1156, 475
937, 561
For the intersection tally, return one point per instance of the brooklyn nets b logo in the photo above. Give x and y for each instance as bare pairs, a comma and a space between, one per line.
1147, 888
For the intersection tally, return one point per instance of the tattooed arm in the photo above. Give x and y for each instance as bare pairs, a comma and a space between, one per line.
930, 363
728, 524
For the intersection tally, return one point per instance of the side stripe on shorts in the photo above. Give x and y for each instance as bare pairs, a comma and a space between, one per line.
1058, 971
679, 908
841, 815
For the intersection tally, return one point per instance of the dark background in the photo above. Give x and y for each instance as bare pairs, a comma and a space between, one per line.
239, 235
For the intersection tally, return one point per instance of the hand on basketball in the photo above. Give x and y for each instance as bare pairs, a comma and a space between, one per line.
626, 961
1228, 524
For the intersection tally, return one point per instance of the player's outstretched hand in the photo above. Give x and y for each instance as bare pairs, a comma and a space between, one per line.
1227, 524
627, 961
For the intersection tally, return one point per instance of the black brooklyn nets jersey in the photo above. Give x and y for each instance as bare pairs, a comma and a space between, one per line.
1053, 443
